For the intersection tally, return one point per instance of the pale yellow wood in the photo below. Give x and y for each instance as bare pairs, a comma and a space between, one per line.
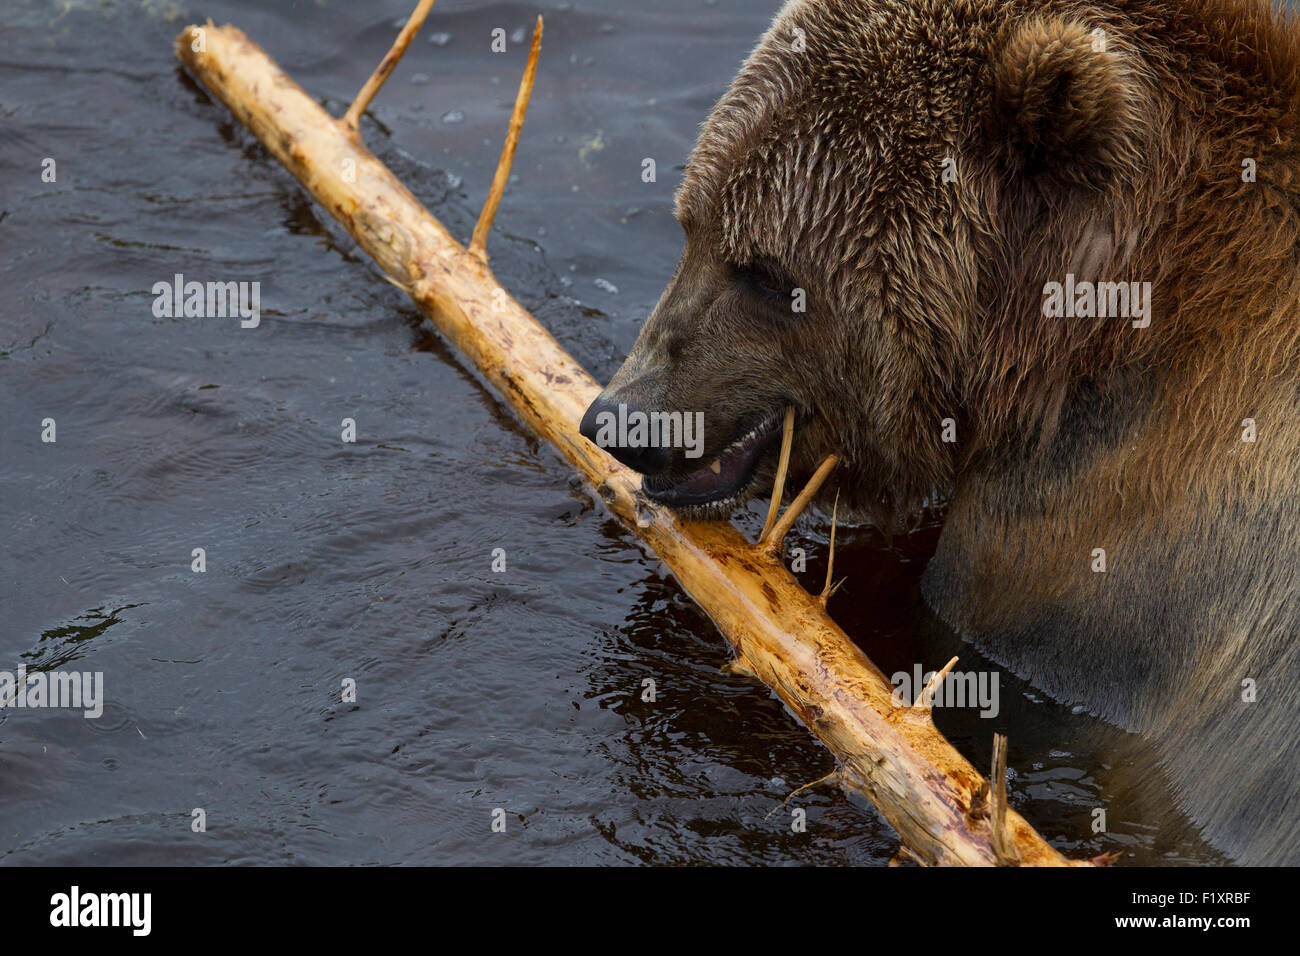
478, 241
782, 466
893, 755
352, 118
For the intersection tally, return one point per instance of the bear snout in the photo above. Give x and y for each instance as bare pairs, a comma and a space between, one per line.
609, 408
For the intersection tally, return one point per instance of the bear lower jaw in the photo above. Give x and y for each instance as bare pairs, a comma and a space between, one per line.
724, 482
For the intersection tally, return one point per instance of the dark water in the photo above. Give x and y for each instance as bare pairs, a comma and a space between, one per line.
372, 561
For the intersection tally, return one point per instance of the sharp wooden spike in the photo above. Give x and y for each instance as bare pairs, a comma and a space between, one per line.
827, 590
478, 243
832, 777
926, 697
1004, 848
352, 118
774, 540
782, 466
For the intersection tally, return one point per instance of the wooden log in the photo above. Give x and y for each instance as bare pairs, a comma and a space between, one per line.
892, 754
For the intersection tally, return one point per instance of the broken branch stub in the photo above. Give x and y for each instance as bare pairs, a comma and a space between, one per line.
478, 242
892, 755
352, 118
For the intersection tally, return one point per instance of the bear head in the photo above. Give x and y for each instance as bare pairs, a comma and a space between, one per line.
869, 215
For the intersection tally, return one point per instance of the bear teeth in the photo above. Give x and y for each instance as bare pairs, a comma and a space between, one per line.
721, 483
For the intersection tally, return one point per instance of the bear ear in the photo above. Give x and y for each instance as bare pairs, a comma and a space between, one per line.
1064, 106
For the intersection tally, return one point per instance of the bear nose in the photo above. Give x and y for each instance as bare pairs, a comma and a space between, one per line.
606, 425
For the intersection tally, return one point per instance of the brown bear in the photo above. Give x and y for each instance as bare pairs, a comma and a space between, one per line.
1039, 260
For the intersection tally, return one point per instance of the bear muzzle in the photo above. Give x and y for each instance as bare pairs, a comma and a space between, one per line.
667, 449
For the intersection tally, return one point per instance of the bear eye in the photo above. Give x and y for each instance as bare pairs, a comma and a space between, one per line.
764, 280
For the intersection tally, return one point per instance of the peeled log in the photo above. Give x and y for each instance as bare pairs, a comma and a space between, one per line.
893, 755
